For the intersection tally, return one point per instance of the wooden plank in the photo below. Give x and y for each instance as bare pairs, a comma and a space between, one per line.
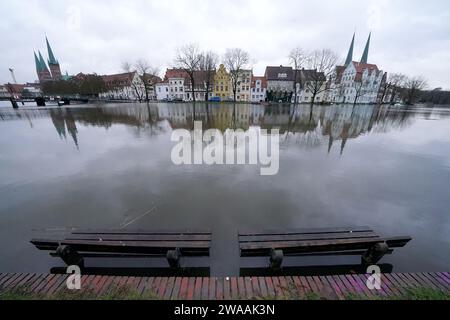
226, 289
262, 286
241, 288
212, 288
336, 288
60, 283
190, 288
444, 285
255, 287
169, 288
303, 231
248, 288
139, 231
176, 289
393, 288
304, 237
234, 288
284, 286
198, 288
277, 287
10, 279
432, 280
13, 281
356, 286
312, 284
219, 288
162, 287
138, 237
25, 281
443, 278
341, 286
315, 246
42, 285
205, 288
87, 245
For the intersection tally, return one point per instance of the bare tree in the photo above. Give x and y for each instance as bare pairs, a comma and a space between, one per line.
208, 65
393, 86
235, 61
189, 58
360, 90
126, 66
297, 58
413, 87
148, 75
322, 62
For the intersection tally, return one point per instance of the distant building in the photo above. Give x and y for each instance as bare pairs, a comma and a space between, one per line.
123, 86
150, 82
243, 90
258, 89
222, 85
50, 72
307, 81
280, 83
4, 93
177, 80
162, 90
358, 82
279, 78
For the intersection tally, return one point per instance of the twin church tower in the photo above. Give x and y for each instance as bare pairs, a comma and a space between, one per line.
51, 72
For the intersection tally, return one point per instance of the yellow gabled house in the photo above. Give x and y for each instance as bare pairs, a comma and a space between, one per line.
222, 87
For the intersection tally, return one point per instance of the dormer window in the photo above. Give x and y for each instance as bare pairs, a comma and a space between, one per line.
282, 75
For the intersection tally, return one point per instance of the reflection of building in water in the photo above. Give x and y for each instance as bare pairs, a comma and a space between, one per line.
63, 119
309, 127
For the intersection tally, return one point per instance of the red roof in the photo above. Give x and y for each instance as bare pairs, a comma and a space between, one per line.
176, 73
263, 82
120, 78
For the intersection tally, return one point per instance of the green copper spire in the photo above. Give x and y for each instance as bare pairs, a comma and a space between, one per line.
365, 55
350, 52
37, 63
51, 56
42, 63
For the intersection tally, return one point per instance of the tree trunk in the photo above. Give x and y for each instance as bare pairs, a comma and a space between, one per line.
193, 88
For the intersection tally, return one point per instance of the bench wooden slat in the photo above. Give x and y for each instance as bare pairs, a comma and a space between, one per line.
321, 245
304, 231
309, 236
125, 244
136, 237
141, 232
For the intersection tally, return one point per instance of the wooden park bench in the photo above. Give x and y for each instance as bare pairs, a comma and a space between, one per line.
73, 247
324, 241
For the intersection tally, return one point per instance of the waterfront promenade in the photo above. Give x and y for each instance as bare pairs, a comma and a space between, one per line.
333, 287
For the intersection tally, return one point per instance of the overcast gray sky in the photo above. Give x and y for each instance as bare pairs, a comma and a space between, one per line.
408, 36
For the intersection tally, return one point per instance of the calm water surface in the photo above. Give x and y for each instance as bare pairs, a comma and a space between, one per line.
105, 166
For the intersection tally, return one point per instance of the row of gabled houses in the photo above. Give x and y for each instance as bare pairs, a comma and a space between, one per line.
353, 81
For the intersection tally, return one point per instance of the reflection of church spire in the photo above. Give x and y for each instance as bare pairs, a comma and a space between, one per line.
71, 126
344, 140
330, 143
58, 122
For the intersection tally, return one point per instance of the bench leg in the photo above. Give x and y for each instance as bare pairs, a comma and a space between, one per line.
374, 254
276, 259
173, 257
70, 256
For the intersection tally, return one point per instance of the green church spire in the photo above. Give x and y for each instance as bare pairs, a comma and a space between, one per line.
350, 52
365, 55
51, 56
42, 63
37, 63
